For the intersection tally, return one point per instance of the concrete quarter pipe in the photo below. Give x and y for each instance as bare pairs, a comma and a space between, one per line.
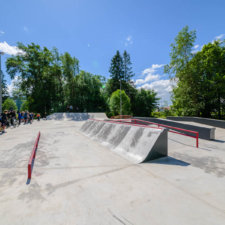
137, 144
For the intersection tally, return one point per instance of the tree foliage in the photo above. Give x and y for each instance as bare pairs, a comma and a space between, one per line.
120, 71
24, 106
145, 102
48, 82
114, 103
200, 76
9, 104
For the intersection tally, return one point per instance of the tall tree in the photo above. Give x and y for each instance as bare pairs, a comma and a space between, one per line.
145, 102
120, 71
116, 68
116, 73
87, 90
70, 68
127, 68
200, 76
38, 81
181, 52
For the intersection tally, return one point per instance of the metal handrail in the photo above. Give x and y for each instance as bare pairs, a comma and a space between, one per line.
32, 156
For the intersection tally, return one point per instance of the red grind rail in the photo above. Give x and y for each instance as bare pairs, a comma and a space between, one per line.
171, 129
32, 157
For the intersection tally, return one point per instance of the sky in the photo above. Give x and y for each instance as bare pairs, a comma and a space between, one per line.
93, 31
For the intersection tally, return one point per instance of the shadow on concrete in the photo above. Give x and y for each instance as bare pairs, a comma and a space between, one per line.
220, 141
191, 145
169, 161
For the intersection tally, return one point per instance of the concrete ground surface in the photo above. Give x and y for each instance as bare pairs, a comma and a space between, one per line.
78, 181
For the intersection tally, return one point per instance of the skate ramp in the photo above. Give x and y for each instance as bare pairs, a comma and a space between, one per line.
137, 144
76, 116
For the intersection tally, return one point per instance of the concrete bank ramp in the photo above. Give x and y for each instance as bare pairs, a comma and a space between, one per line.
137, 144
76, 116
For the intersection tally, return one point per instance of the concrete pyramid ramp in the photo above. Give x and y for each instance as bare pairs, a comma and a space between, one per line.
76, 116
137, 144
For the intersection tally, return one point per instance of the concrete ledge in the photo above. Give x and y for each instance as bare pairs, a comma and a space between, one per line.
135, 143
76, 116
207, 133
210, 122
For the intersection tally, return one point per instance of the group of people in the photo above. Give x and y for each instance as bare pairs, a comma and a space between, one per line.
12, 118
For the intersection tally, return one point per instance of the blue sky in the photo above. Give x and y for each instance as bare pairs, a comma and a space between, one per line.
92, 31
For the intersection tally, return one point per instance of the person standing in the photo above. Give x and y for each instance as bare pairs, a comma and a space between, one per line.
19, 117
25, 117
38, 116
4, 120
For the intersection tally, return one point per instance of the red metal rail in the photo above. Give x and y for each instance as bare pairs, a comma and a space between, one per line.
32, 157
171, 129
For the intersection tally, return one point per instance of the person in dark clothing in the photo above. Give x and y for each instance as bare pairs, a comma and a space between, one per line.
25, 117
19, 117
4, 120
12, 117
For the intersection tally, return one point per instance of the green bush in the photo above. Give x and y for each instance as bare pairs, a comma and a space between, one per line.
114, 103
164, 113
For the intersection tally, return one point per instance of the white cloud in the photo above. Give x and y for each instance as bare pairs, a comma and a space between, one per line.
152, 69
129, 40
154, 81
11, 86
25, 29
2, 32
10, 50
163, 88
196, 46
219, 37
149, 74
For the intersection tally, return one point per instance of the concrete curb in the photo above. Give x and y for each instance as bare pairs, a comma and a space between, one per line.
207, 133
206, 121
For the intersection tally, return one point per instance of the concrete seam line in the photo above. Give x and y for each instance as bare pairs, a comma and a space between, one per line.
32, 156
182, 189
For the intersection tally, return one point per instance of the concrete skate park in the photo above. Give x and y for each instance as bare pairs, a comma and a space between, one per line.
92, 170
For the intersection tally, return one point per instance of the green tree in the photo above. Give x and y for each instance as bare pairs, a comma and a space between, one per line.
114, 103
40, 77
145, 102
116, 71
200, 77
87, 91
178, 68
24, 106
9, 104
127, 68
181, 52
121, 74
70, 68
